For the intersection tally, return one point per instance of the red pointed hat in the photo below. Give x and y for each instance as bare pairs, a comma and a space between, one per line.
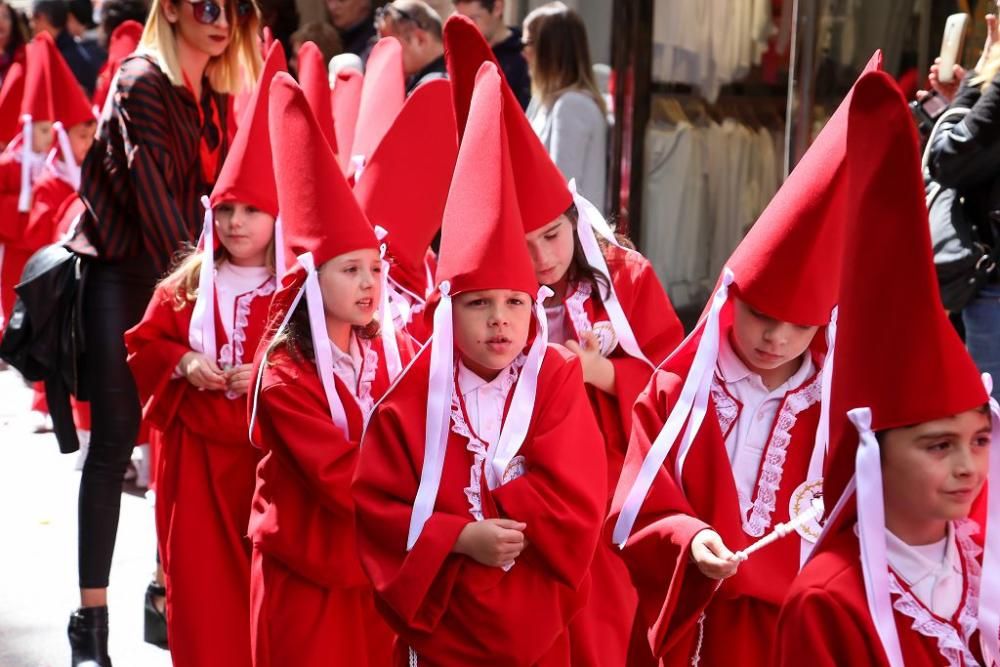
318, 209
541, 187
382, 96
247, 175
123, 41
315, 84
345, 99
788, 266
51, 92
408, 202
10, 102
482, 235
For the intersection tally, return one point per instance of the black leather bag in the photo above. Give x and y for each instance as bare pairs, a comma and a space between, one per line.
44, 338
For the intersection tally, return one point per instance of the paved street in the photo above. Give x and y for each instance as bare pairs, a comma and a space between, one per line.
38, 489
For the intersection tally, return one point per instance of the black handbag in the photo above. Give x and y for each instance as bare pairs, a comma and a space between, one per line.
965, 255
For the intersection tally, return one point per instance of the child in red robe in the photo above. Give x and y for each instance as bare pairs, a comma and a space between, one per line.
11, 93
481, 485
316, 383
907, 572
191, 356
724, 440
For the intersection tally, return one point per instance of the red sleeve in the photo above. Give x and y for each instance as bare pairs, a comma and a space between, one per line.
815, 629
12, 222
673, 592
47, 203
562, 497
155, 347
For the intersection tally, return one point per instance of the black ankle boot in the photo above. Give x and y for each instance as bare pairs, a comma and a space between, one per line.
88, 637
154, 627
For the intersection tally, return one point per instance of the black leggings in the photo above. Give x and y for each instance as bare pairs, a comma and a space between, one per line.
114, 300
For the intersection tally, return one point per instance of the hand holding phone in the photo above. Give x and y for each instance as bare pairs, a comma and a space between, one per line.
951, 45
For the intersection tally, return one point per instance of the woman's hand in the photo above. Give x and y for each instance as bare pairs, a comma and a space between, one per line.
492, 542
202, 372
711, 556
238, 379
946, 90
597, 370
992, 39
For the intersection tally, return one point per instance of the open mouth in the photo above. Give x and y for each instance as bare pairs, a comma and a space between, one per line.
365, 303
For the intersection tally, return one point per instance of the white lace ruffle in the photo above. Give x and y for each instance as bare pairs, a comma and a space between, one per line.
368, 371
726, 408
577, 313
954, 647
773, 466
479, 448
231, 354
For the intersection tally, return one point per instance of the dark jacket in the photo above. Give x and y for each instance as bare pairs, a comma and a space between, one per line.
514, 66
83, 60
965, 154
433, 70
360, 38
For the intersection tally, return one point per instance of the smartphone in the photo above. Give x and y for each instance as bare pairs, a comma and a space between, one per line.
927, 111
951, 45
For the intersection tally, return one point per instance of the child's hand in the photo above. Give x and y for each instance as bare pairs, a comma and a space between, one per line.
492, 542
202, 372
712, 557
597, 370
238, 378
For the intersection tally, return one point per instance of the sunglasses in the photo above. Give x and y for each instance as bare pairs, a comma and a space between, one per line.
208, 12
397, 14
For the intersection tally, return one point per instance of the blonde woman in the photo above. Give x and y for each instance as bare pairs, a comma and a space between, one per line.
163, 136
567, 110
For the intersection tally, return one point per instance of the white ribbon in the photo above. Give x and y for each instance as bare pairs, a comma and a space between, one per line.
822, 444
279, 250
871, 533
989, 587
693, 402
201, 331
359, 166
28, 159
439, 394
592, 221
70, 170
387, 330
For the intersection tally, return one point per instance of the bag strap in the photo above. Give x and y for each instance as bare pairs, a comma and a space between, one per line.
952, 112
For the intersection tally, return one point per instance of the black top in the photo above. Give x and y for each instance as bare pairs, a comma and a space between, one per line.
514, 66
360, 38
435, 69
83, 61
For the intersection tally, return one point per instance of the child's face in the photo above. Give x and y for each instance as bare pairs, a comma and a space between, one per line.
765, 344
351, 285
245, 232
42, 136
551, 249
81, 138
491, 328
932, 472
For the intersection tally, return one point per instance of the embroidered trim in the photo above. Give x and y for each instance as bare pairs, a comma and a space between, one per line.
479, 448
231, 354
952, 646
369, 368
773, 465
726, 409
577, 313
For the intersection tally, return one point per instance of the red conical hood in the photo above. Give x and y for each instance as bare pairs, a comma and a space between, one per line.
465, 51
896, 351
409, 202
482, 237
382, 96
247, 175
315, 84
318, 210
789, 264
346, 101
10, 102
51, 92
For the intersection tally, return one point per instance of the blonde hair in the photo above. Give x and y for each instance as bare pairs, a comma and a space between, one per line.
231, 73
185, 275
990, 69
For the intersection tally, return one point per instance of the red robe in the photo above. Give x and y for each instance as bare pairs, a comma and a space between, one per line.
825, 620
600, 634
740, 617
12, 223
205, 480
450, 609
312, 604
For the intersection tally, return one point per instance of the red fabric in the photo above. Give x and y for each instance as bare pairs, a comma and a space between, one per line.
482, 238
204, 484
541, 187
345, 98
600, 634
11, 94
450, 609
318, 210
124, 40
302, 524
825, 621
382, 96
12, 222
408, 202
315, 84
741, 616
51, 92
72, 208
50, 197
247, 175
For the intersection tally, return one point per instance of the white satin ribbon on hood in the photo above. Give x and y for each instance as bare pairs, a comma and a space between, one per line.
70, 170
201, 331
989, 586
